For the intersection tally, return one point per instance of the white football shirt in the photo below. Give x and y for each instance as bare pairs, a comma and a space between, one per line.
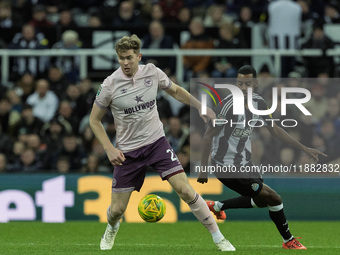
132, 101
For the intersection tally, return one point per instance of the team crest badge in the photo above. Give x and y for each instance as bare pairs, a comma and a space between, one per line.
148, 82
255, 186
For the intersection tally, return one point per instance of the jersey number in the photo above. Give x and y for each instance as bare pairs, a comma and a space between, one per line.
173, 155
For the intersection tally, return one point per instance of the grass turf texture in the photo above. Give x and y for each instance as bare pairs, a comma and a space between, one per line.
258, 237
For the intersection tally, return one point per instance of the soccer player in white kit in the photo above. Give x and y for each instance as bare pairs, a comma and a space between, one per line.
130, 92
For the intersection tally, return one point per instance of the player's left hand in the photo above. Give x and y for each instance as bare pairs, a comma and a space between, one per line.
209, 116
202, 177
314, 154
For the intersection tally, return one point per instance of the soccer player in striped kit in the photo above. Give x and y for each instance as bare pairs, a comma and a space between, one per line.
230, 145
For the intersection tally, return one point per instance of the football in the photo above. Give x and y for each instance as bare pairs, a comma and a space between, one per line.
151, 208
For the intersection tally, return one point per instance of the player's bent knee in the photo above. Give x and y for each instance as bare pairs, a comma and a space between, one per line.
117, 211
186, 192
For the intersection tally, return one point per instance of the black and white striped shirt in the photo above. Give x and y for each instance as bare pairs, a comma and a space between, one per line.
232, 146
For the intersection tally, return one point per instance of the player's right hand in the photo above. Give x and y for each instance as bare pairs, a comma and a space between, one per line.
115, 156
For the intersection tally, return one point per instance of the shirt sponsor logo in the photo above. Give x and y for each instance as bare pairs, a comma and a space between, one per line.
139, 107
239, 132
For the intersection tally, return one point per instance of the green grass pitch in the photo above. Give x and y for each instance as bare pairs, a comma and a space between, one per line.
251, 237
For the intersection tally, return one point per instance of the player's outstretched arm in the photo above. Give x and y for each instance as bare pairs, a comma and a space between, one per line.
282, 135
205, 152
115, 156
185, 97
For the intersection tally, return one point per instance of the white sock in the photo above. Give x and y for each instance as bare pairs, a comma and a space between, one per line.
217, 206
217, 236
286, 241
115, 227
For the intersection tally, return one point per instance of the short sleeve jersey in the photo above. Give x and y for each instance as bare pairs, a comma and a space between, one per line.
232, 145
132, 101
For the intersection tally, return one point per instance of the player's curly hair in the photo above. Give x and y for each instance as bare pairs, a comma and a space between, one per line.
128, 43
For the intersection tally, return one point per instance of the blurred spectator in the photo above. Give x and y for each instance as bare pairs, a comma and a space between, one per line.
15, 102
65, 21
193, 4
244, 24
92, 165
284, 30
265, 78
63, 165
184, 16
57, 80
29, 124
157, 13
287, 156
331, 85
26, 85
316, 65
317, 105
170, 9
126, 15
14, 99
52, 133
257, 6
332, 113
95, 21
328, 133
8, 17
176, 134
198, 40
86, 4
69, 65
6, 142
308, 19
331, 14
106, 10
73, 151
29, 39
227, 66
87, 92
39, 17
87, 138
3, 163
319, 143
5, 112
216, 15
158, 39
27, 162
77, 101
164, 108
16, 150
66, 116
44, 101
105, 164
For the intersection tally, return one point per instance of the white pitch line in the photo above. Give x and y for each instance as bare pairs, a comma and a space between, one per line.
161, 245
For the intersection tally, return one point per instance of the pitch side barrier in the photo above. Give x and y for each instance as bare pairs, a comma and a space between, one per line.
6, 54
60, 198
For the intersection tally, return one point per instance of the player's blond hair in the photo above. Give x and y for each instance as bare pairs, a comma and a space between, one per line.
128, 43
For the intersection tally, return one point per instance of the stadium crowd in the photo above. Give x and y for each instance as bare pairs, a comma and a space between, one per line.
45, 107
